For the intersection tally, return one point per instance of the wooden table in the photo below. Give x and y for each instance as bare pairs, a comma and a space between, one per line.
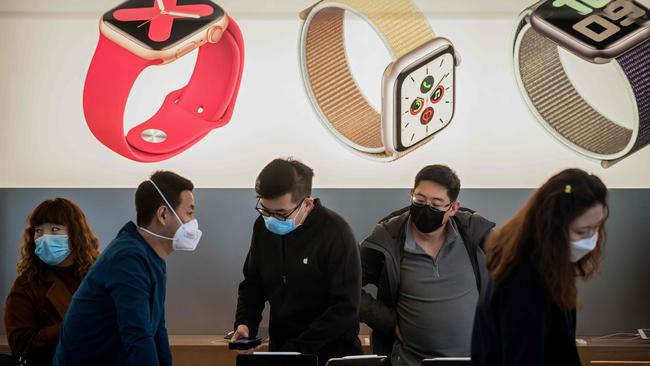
613, 349
212, 350
199, 350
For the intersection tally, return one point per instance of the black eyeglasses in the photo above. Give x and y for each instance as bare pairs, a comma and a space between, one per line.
266, 213
419, 201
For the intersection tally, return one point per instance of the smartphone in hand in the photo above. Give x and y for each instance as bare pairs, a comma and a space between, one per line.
245, 343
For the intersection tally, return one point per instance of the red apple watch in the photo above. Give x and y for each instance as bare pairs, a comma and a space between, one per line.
140, 33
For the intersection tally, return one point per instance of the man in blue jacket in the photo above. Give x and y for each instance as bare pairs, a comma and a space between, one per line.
117, 316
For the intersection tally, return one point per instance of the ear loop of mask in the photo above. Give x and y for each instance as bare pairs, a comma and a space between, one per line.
170, 207
166, 202
154, 234
298, 213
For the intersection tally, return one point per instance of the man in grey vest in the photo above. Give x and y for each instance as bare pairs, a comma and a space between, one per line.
428, 264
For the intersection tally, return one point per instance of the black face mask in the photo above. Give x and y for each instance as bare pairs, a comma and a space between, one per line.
426, 218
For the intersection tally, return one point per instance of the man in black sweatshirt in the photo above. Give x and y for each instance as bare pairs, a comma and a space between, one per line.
303, 260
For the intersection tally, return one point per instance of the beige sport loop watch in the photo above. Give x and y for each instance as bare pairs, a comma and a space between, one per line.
417, 99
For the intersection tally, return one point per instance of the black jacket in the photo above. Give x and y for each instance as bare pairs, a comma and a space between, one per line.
312, 279
381, 255
517, 324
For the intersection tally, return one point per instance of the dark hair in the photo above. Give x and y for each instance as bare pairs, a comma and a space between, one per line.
443, 175
282, 176
539, 234
84, 245
148, 200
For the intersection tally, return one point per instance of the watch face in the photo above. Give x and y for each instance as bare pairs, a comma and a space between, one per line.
425, 99
599, 24
161, 24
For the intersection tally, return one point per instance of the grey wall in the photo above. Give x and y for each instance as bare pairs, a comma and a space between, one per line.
202, 286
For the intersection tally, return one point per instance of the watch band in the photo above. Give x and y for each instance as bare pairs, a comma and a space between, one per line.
341, 105
566, 114
186, 115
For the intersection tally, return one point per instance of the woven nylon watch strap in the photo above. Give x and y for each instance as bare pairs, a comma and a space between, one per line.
342, 106
562, 108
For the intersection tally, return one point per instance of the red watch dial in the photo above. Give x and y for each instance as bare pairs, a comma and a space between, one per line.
157, 28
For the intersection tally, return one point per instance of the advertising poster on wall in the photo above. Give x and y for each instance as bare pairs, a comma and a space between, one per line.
193, 180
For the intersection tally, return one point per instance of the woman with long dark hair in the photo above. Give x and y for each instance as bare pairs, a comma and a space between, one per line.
57, 250
527, 313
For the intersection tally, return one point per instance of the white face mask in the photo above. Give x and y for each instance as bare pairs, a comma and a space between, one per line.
187, 235
582, 247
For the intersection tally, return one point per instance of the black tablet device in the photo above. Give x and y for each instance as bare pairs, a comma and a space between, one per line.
367, 360
447, 361
277, 359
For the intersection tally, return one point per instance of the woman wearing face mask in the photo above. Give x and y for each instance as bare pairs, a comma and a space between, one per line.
57, 250
527, 313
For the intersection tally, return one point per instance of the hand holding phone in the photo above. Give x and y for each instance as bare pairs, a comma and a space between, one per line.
245, 343
241, 342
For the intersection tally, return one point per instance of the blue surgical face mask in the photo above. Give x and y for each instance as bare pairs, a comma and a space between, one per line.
52, 249
280, 227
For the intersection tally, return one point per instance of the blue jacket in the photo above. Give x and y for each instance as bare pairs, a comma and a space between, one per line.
117, 316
